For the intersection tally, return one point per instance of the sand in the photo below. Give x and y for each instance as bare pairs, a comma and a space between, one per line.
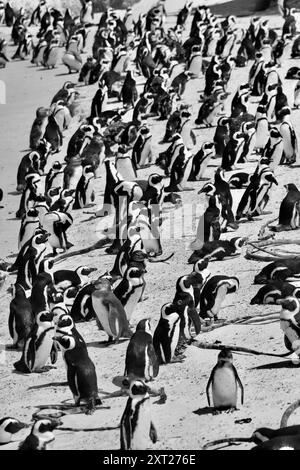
183, 422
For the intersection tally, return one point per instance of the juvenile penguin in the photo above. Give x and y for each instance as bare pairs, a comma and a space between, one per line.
141, 361
8, 428
110, 312
224, 381
21, 319
38, 345
38, 128
137, 428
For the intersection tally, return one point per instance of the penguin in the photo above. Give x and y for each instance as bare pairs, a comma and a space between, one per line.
56, 224
82, 308
9, 15
273, 291
266, 180
209, 110
214, 293
40, 294
33, 192
222, 136
233, 151
200, 161
209, 225
81, 371
166, 335
141, 361
41, 435
130, 290
38, 128
73, 173
278, 271
53, 134
55, 177
273, 151
66, 278
187, 134
224, 381
219, 250
249, 131
73, 61
180, 81
64, 203
85, 193
124, 164
180, 171
99, 102
29, 224
289, 215
289, 137
239, 180
38, 345
51, 54
137, 428
297, 95
142, 149
21, 318
129, 94
110, 312
8, 428
262, 128
289, 324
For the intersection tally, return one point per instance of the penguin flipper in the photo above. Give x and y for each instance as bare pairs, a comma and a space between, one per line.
208, 386
153, 433
54, 354
126, 428
239, 382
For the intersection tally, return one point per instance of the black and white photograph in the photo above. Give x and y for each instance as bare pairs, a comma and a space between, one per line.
150, 216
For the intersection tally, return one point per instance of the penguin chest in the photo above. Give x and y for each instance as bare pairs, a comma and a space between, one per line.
219, 297
224, 388
102, 313
187, 169
43, 347
125, 168
262, 133
196, 65
174, 337
140, 433
75, 177
146, 152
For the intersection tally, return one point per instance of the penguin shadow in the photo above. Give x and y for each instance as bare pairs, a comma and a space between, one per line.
207, 410
64, 74
14, 193
49, 385
104, 344
42, 371
276, 365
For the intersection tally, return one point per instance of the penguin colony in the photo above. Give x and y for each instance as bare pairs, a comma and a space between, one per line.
48, 302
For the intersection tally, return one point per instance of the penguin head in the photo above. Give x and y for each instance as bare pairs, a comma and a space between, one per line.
208, 147
155, 179
64, 321
103, 285
57, 166
8, 427
225, 355
54, 192
208, 189
42, 430
285, 111
275, 134
144, 325
169, 312
85, 270
44, 318
138, 389
291, 187
239, 242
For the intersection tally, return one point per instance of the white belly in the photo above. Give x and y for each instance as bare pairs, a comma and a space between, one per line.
224, 388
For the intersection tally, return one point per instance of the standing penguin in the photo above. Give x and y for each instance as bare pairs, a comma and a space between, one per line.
38, 345
166, 335
233, 151
262, 128
110, 312
124, 164
129, 94
222, 136
81, 371
290, 141
273, 151
38, 128
180, 171
99, 103
55, 177
137, 428
21, 319
289, 216
142, 149
224, 381
85, 194
201, 160
29, 224
141, 360
72, 173
53, 134
131, 288
51, 54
